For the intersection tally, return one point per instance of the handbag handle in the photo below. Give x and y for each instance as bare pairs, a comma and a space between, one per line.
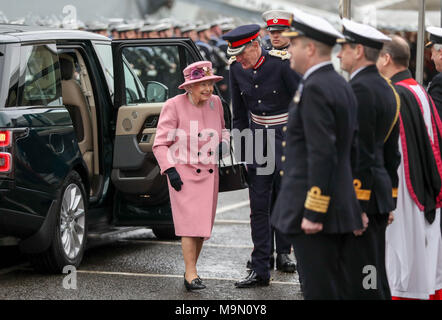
231, 157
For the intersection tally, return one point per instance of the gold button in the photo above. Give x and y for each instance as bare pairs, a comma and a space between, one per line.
284, 129
283, 158
281, 173
283, 144
259, 101
256, 86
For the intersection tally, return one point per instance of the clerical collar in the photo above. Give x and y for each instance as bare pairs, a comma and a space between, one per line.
314, 68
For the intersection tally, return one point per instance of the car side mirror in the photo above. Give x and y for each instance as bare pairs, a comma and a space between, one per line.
156, 92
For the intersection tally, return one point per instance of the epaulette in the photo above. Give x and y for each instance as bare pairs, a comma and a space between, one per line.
282, 54
232, 59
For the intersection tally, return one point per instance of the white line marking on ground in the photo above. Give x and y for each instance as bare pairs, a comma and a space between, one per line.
178, 243
151, 275
233, 207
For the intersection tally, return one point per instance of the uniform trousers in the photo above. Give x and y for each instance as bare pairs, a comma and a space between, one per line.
283, 244
368, 251
259, 187
321, 260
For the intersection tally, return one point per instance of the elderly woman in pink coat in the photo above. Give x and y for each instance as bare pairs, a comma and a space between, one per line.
190, 136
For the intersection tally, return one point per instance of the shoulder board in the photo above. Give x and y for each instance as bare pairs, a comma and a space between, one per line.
282, 54
232, 59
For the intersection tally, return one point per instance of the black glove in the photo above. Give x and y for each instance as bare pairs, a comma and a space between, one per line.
174, 178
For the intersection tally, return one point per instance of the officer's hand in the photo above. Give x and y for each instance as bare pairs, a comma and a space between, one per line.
174, 178
310, 227
390, 218
364, 224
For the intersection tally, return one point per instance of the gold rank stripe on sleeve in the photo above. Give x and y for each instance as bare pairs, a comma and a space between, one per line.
280, 54
316, 201
398, 107
394, 192
361, 194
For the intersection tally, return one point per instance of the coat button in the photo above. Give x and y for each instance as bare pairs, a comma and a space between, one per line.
211, 134
210, 153
284, 129
263, 113
254, 71
281, 173
283, 158
199, 153
284, 144
259, 101
199, 135
198, 170
274, 91
211, 170
256, 86
267, 126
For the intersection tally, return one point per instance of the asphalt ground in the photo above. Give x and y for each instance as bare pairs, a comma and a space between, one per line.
131, 264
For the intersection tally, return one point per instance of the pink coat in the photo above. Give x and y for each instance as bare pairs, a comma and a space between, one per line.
187, 138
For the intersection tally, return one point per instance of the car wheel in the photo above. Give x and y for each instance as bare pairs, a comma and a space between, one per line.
166, 232
70, 230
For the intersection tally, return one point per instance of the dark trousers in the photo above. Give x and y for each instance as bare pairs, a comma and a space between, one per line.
320, 264
259, 187
367, 251
283, 244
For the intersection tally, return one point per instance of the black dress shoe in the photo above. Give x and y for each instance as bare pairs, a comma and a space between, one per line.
284, 263
195, 284
252, 280
272, 263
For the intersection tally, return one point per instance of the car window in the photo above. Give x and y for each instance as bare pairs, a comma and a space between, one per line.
104, 52
39, 82
134, 88
159, 65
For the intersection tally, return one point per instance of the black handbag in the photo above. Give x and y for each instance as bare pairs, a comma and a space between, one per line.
232, 177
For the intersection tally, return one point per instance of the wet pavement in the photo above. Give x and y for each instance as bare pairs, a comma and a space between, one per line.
133, 264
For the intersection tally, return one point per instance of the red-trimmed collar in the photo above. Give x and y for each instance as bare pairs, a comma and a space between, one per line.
259, 63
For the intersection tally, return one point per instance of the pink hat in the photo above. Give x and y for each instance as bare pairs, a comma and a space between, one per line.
198, 72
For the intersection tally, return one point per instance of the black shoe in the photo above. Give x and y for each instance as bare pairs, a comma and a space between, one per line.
284, 263
272, 263
252, 280
195, 284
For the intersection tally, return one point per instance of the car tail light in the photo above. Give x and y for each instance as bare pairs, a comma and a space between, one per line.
5, 138
5, 162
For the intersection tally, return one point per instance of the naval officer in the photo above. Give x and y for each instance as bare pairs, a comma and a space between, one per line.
375, 176
317, 206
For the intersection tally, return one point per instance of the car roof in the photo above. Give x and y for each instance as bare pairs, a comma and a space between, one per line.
22, 33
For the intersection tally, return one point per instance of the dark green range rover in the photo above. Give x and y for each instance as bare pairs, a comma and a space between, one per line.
78, 115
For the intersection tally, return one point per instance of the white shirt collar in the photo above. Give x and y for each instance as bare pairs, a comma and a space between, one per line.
357, 71
314, 68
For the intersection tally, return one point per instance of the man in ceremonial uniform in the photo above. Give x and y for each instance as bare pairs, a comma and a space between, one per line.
376, 173
317, 206
413, 240
278, 21
261, 86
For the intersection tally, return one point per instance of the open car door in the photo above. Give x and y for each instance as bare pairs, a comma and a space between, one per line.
147, 73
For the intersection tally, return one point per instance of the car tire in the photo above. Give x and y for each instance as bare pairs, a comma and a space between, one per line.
166, 232
69, 231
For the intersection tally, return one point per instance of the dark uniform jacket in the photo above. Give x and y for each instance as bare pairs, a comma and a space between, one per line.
321, 146
435, 91
264, 91
378, 157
